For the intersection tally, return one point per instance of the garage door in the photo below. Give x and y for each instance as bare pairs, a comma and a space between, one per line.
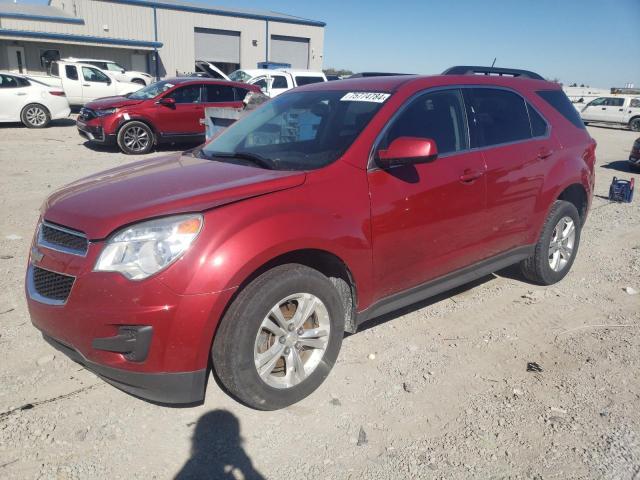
217, 45
293, 50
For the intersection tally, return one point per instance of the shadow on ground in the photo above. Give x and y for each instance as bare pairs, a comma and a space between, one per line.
619, 166
217, 452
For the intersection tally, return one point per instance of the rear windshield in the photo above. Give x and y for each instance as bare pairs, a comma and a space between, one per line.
559, 101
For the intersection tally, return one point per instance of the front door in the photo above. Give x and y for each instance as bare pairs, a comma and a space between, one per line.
427, 219
183, 118
598, 110
96, 84
17, 62
12, 97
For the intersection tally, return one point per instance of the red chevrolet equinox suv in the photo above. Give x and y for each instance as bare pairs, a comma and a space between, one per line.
327, 206
167, 111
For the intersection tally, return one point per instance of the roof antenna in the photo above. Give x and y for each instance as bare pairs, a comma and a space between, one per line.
494, 61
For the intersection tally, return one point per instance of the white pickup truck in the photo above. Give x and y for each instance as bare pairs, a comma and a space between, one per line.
614, 109
274, 82
83, 83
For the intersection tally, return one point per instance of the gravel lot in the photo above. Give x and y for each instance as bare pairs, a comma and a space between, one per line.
440, 390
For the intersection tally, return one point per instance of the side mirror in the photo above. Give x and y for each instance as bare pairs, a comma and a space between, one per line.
407, 151
167, 102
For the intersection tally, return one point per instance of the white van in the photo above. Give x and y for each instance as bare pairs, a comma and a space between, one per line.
614, 109
274, 82
83, 83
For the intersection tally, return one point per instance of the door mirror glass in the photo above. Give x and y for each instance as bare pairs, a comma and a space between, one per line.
167, 102
407, 151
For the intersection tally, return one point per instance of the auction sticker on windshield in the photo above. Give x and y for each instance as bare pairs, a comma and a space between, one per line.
365, 97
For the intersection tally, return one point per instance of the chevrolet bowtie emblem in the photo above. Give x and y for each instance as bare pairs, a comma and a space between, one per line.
36, 255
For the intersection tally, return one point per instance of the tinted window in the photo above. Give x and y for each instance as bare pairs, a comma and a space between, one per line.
262, 83
279, 81
538, 125
559, 101
615, 102
188, 94
71, 71
597, 101
94, 75
219, 93
300, 81
438, 116
497, 116
7, 81
240, 93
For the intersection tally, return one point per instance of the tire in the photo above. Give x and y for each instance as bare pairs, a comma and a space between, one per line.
634, 124
242, 340
135, 138
139, 81
35, 115
542, 267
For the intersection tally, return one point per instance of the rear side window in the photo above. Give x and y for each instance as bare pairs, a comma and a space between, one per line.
538, 125
219, 93
240, 93
71, 71
498, 116
559, 101
300, 81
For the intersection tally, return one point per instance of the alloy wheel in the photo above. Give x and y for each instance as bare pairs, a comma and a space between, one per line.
136, 139
36, 116
562, 244
292, 340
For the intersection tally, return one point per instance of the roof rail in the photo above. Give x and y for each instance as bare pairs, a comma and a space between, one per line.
476, 70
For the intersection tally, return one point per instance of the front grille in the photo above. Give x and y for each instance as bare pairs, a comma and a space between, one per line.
51, 285
59, 238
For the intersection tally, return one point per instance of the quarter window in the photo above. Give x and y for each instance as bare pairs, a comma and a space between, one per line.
496, 116
438, 116
538, 125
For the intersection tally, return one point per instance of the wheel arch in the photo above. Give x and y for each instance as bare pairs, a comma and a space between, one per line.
146, 121
577, 195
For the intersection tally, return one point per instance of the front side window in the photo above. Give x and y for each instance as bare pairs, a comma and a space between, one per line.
261, 83
296, 130
300, 81
188, 94
438, 116
496, 116
219, 93
94, 75
597, 102
71, 71
239, 76
279, 81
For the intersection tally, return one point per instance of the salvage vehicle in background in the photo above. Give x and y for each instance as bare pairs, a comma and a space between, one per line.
116, 70
327, 206
171, 110
616, 110
23, 99
276, 81
634, 156
83, 83
210, 70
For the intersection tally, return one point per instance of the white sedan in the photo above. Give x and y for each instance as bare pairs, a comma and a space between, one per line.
29, 101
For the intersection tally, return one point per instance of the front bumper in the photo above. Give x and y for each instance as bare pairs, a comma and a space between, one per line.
95, 133
169, 388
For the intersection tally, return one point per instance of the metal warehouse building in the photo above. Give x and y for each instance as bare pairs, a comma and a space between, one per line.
162, 37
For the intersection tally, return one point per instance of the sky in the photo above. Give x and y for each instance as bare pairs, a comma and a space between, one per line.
595, 42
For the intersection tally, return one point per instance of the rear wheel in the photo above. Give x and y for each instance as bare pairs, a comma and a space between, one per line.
135, 138
557, 247
35, 115
634, 124
280, 337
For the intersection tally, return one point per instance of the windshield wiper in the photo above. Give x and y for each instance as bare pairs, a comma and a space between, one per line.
251, 157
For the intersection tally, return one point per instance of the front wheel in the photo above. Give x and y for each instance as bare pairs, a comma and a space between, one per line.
634, 124
279, 338
35, 115
557, 247
135, 138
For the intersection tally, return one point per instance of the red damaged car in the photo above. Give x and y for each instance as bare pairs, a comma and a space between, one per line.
167, 111
327, 206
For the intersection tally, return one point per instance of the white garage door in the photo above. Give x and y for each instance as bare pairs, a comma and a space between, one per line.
217, 45
293, 50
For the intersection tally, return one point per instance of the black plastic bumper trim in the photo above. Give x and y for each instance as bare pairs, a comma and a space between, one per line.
132, 341
164, 388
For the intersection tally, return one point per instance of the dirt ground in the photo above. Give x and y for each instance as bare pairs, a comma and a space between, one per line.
440, 390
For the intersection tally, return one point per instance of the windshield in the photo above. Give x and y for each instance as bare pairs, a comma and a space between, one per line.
299, 130
239, 76
152, 90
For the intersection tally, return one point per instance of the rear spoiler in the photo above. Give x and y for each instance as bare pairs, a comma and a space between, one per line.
506, 72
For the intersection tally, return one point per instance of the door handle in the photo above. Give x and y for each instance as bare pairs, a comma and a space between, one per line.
621, 109
544, 153
604, 108
20, 94
86, 85
469, 176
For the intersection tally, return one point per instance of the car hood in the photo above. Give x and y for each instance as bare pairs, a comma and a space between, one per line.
112, 102
99, 204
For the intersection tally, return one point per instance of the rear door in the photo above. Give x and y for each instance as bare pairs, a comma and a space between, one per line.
183, 118
427, 219
614, 110
515, 143
96, 84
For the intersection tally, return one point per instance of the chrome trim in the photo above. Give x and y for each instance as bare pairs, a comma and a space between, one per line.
371, 164
41, 242
33, 293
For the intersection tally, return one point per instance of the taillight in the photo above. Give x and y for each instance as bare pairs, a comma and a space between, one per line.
57, 93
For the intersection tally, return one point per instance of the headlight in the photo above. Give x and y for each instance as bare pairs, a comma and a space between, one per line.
105, 112
143, 249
